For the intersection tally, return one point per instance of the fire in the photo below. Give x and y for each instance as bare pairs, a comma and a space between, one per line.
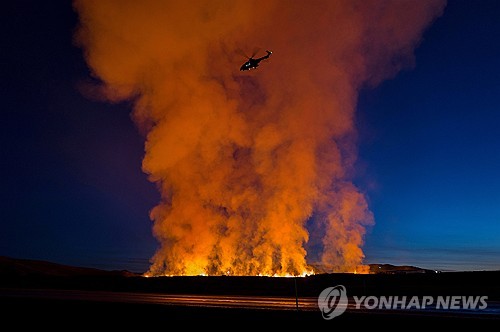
252, 167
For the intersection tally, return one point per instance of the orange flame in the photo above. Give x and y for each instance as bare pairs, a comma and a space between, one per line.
244, 159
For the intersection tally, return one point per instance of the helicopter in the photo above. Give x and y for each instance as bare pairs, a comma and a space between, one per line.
254, 63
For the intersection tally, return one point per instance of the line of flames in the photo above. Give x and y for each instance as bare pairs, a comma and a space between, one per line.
276, 275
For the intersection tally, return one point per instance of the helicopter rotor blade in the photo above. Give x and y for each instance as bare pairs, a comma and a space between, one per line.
239, 51
255, 50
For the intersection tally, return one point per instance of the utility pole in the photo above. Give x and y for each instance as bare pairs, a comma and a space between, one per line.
296, 294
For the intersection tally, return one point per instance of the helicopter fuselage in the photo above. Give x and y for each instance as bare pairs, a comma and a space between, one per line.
254, 63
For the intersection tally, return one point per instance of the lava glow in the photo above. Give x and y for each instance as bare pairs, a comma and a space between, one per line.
254, 168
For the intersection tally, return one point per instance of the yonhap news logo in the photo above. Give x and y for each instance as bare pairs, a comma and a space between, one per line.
333, 302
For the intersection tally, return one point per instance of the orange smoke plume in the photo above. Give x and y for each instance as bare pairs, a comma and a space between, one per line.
244, 159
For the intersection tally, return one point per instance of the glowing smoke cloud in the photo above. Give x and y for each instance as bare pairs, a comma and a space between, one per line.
244, 160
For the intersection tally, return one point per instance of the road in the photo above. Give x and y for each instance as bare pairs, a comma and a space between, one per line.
304, 304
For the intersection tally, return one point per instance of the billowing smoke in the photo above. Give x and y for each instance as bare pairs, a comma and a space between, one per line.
252, 166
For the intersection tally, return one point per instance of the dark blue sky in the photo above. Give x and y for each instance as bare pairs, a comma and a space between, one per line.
430, 147
73, 192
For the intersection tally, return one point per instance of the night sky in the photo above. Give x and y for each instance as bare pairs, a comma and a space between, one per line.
73, 191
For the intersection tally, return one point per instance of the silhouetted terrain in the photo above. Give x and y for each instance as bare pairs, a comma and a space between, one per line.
19, 273
393, 269
40, 289
12, 267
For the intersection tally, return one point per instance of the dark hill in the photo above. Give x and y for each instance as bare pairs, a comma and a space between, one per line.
395, 269
13, 267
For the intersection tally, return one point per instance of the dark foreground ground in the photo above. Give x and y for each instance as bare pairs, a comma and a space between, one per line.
22, 306
481, 283
72, 314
